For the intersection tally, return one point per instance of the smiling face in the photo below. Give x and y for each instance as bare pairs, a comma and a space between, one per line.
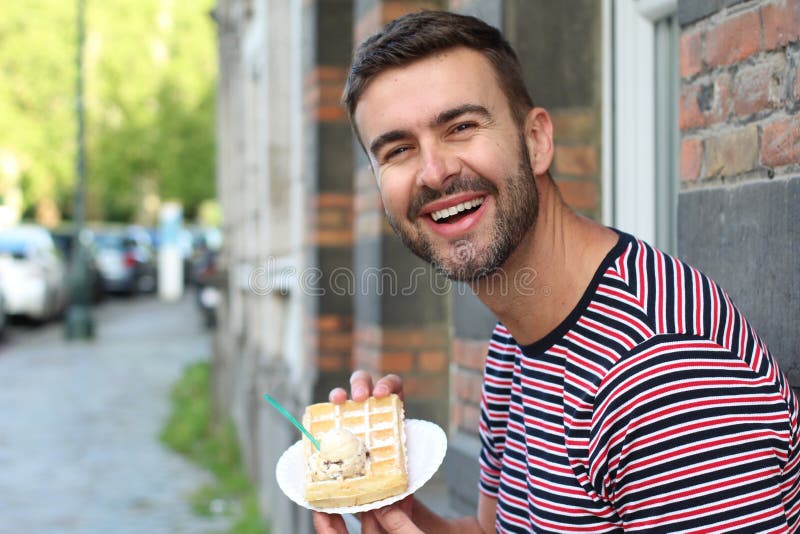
451, 163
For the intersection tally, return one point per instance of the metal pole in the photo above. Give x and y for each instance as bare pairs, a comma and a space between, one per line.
78, 320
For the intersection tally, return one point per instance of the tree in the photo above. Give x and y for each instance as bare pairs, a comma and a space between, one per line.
37, 100
150, 68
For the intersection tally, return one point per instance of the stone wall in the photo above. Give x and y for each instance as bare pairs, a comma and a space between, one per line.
740, 159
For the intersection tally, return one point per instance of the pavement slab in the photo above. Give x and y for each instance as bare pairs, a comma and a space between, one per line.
79, 424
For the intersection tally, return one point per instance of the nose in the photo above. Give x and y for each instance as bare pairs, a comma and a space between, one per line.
436, 165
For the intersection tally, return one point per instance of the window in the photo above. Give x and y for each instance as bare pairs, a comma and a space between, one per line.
640, 132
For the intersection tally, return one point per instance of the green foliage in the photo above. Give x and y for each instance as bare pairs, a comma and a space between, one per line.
149, 67
37, 102
190, 430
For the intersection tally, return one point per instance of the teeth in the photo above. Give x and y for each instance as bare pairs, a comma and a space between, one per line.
447, 212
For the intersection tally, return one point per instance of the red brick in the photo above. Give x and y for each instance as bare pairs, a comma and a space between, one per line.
470, 353
397, 362
781, 23
691, 159
576, 160
733, 40
433, 361
330, 323
330, 94
325, 73
334, 219
580, 194
407, 338
382, 12
331, 362
329, 113
331, 238
393, 9
690, 115
691, 53
703, 103
732, 152
429, 386
573, 125
411, 339
780, 142
336, 341
760, 86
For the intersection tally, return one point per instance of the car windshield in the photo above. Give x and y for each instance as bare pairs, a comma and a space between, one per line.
14, 246
107, 241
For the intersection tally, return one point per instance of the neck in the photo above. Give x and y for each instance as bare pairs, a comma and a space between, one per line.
546, 275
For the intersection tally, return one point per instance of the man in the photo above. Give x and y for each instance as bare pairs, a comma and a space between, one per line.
634, 397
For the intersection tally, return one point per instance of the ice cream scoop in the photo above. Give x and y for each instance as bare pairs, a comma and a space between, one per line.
341, 455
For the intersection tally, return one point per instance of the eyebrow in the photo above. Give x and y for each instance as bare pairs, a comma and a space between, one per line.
442, 118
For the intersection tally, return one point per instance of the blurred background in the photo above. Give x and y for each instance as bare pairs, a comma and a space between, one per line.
187, 223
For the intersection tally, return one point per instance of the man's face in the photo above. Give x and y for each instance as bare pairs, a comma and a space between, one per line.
451, 163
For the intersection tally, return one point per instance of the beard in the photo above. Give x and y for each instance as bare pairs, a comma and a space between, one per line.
516, 206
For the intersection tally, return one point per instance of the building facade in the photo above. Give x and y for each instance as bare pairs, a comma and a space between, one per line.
676, 121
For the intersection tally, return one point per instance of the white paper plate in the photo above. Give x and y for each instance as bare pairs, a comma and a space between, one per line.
426, 444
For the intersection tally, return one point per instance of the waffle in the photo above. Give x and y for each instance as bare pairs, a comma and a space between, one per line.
379, 423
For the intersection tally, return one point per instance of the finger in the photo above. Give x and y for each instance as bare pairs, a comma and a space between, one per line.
407, 504
387, 385
395, 521
369, 524
337, 395
328, 523
360, 385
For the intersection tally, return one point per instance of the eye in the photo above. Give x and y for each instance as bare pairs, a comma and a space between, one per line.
462, 127
396, 151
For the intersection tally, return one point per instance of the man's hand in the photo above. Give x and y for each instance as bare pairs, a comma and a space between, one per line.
361, 387
328, 523
392, 519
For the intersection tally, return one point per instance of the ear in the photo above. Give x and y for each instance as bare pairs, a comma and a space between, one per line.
539, 140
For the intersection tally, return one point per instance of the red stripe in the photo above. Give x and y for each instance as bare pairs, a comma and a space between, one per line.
661, 291
679, 294
623, 318
682, 516
698, 303
640, 273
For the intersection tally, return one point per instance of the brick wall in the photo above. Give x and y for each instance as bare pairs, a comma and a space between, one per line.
396, 329
329, 209
739, 100
740, 159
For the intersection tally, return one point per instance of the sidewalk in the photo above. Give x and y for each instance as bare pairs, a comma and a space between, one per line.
79, 424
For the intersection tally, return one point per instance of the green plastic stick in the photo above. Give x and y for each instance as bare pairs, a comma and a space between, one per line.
294, 421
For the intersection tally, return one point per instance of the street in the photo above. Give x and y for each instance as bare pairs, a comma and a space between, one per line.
79, 423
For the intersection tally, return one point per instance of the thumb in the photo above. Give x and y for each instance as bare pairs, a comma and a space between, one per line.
395, 521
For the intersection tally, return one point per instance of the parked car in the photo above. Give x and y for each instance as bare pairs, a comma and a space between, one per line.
32, 273
3, 312
126, 260
64, 238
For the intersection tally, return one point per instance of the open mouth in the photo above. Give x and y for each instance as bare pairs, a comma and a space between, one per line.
455, 213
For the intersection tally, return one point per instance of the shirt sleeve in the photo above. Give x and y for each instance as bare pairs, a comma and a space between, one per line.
495, 398
687, 437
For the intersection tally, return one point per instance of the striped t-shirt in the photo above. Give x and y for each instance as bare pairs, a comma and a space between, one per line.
654, 407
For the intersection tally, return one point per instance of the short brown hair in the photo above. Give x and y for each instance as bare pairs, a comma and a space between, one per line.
422, 34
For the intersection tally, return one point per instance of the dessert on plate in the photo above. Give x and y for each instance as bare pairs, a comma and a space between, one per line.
362, 456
